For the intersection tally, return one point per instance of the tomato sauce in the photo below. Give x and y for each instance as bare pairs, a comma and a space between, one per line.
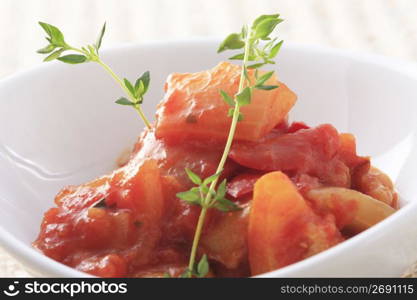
131, 224
99, 228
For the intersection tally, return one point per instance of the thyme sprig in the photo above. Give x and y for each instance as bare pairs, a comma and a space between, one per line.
260, 49
259, 53
197, 194
90, 53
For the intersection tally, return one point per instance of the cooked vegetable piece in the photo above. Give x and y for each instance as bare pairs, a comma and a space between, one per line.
225, 240
353, 210
130, 190
283, 229
305, 151
194, 109
376, 184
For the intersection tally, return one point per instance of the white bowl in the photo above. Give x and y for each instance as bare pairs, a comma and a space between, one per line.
59, 125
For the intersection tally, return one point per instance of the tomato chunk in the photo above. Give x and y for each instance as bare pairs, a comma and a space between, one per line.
194, 109
303, 151
283, 229
295, 126
307, 151
225, 240
115, 212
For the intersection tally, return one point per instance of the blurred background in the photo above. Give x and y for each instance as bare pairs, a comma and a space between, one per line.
387, 27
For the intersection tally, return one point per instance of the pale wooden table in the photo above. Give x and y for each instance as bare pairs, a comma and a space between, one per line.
387, 27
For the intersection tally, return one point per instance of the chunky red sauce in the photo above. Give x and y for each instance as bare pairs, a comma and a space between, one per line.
126, 235
130, 222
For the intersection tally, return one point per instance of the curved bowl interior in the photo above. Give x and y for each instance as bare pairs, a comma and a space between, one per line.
59, 125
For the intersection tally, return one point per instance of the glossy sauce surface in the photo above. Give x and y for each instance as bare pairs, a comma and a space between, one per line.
130, 222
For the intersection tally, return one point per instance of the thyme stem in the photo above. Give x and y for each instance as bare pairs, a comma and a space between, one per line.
137, 107
207, 201
116, 78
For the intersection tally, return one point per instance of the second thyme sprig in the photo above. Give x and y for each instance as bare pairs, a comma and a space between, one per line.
259, 49
90, 53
